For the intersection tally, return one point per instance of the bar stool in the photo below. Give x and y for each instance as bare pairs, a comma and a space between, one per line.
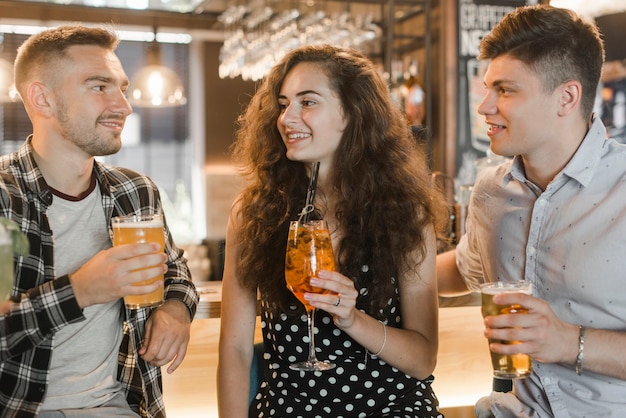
256, 370
502, 385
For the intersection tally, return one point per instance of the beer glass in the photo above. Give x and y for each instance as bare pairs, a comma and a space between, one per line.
309, 250
6, 264
506, 366
135, 229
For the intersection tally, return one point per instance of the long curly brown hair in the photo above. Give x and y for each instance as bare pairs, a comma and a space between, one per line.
380, 179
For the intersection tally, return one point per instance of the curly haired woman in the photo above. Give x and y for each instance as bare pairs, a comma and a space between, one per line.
378, 323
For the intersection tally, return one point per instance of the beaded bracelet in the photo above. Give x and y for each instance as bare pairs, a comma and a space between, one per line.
380, 350
581, 347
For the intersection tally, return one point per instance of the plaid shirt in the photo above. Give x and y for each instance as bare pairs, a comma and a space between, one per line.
47, 303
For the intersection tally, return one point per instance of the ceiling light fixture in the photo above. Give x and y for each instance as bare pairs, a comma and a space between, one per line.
156, 85
8, 93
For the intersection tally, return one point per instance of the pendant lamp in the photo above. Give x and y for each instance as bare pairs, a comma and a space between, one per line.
8, 93
156, 85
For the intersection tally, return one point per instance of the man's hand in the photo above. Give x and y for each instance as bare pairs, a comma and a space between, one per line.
540, 333
5, 307
167, 335
112, 274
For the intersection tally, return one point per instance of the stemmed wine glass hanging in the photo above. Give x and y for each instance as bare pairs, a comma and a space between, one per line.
257, 35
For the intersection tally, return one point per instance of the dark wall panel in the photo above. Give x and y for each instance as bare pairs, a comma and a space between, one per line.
224, 101
612, 28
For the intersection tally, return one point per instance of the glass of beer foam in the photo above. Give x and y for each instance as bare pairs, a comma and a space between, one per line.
134, 229
506, 366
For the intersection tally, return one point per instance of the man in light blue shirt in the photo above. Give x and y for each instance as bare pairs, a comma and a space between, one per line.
555, 216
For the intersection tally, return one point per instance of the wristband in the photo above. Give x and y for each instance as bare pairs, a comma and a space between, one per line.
581, 348
382, 346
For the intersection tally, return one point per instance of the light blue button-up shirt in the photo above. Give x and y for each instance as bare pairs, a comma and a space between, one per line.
570, 242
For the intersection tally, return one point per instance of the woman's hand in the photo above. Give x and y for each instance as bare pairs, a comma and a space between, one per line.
340, 302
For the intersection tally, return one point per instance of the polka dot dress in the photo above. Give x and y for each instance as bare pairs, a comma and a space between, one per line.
360, 386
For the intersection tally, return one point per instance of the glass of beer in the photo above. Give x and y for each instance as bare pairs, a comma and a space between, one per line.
506, 366
309, 250
6, 264
135, 229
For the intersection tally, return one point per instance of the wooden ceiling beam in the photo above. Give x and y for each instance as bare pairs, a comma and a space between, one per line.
50, 12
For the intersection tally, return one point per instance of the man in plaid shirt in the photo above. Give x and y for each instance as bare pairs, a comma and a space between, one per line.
68, 346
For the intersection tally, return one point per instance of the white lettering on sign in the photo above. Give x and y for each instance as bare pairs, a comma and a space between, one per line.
475, 21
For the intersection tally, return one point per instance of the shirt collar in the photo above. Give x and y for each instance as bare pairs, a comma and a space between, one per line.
582, 164
33, 177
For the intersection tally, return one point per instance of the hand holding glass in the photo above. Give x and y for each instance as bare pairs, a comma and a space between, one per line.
136, 229
506, 366
309, 250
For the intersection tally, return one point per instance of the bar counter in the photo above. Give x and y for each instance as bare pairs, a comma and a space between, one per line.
463, 372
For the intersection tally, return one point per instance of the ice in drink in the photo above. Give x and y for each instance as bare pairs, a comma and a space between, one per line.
140, 229
506, 366
309, 250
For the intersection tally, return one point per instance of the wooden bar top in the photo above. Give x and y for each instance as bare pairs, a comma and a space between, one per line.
463, 373
210, 299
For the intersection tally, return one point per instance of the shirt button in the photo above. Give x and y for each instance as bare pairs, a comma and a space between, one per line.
531, 250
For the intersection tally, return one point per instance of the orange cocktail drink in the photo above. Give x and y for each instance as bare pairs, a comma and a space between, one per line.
309, 250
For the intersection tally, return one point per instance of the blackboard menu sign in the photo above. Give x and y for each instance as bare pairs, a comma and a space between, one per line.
476, 18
